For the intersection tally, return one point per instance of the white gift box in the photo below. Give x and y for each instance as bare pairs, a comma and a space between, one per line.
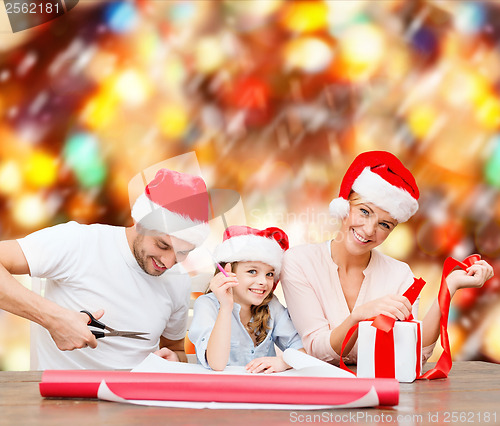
407, 350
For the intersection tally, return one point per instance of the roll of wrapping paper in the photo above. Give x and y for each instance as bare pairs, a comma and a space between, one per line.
265, 389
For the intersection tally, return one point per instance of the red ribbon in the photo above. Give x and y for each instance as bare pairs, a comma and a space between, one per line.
443, 366
384, 361
385, 365
418, 367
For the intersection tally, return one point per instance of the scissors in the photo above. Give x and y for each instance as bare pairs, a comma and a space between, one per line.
112, 332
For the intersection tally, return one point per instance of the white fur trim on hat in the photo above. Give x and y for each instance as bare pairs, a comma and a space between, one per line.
195, 235
154, 217
247, 248
396, 201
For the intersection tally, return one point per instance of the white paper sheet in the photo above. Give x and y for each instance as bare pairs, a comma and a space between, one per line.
154, 364
303, 365
306, 365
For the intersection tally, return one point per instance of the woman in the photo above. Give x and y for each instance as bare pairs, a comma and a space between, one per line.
329, 287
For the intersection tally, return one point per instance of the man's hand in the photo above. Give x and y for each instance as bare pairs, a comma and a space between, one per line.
69, 329
167, 354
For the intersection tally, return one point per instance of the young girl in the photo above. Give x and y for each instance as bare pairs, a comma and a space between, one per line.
331, 286
239, 320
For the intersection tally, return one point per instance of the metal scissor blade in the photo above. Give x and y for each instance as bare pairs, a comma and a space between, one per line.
124, 333
134, 336
131, 334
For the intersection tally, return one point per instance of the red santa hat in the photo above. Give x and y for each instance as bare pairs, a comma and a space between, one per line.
245, 244
176, 204
379, 178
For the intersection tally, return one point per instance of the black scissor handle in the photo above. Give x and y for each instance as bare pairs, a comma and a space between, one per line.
93, 322
98, 334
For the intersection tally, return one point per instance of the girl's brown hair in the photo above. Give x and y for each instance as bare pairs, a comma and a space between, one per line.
260, 314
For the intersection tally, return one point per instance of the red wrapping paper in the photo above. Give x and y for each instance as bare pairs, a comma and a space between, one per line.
217, 388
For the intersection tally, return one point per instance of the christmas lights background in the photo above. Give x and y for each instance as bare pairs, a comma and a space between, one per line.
276, 98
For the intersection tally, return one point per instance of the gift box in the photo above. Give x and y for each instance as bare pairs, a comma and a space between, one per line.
395, 353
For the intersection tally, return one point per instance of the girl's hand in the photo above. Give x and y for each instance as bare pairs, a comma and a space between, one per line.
477, 274
267, 364
222, 287
392, 305
167, 354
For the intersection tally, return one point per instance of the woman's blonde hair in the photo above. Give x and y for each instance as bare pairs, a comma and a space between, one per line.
355, 199
260, 314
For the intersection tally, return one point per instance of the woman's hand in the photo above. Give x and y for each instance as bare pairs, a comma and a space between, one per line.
267, 364
392, 305
222, 287
475, 276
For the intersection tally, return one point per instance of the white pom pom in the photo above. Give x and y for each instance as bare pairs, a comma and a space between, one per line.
339, 208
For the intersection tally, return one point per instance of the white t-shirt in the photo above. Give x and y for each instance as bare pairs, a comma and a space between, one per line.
89, 267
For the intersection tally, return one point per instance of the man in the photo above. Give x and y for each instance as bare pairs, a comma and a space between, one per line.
129, 277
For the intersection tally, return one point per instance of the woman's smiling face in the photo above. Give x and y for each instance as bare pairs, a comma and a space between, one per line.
366, 227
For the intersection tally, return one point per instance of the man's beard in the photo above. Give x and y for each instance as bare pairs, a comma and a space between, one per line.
141, 257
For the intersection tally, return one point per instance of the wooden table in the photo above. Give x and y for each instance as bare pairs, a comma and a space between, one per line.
471, 395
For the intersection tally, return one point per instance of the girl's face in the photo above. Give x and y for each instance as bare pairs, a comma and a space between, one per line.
366, 227
255, 282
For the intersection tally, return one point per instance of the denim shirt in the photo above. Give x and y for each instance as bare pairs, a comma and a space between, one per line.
243, 350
